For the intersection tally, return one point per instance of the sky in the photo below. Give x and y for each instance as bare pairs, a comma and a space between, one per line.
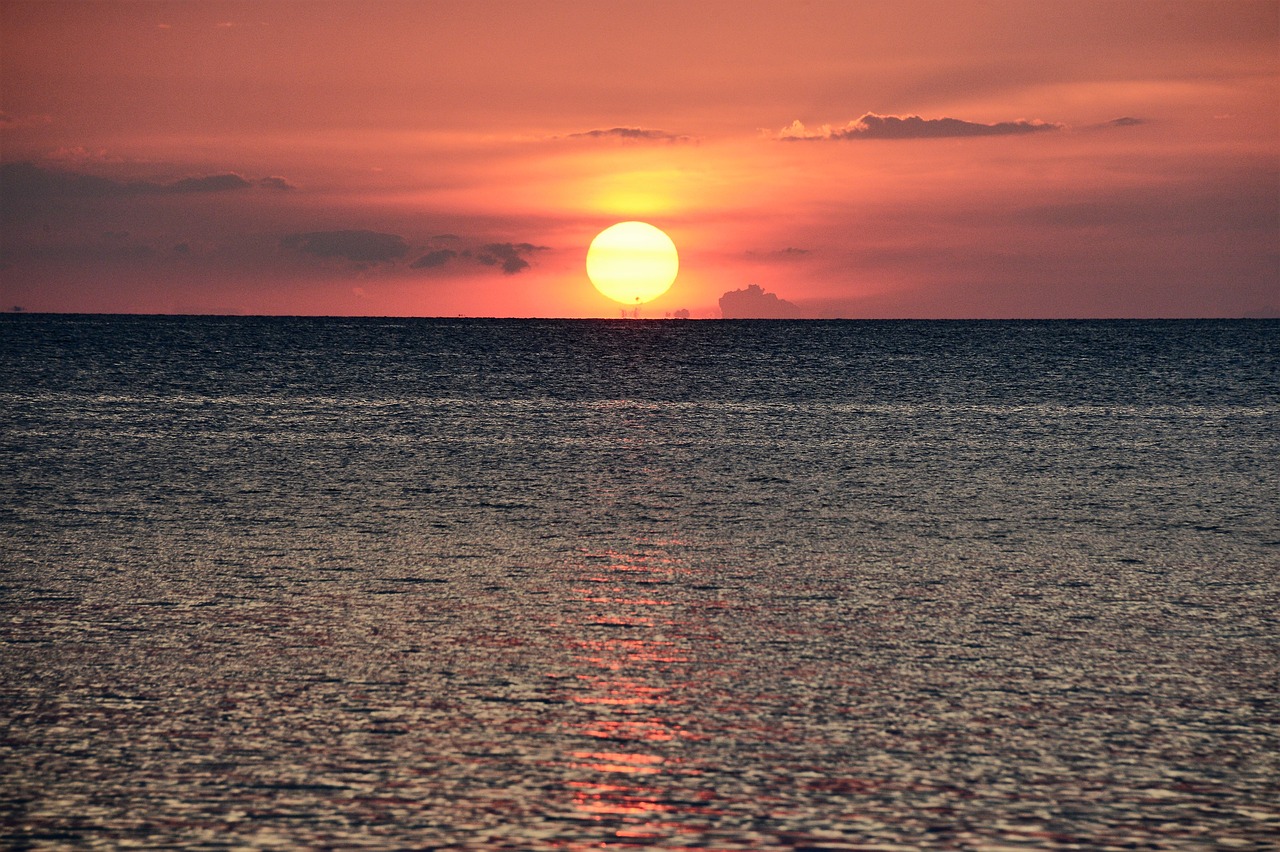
847, 159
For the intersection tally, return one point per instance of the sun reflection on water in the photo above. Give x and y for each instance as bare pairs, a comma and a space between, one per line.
634, 678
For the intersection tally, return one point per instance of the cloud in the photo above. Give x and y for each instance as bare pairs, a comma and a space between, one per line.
1123, 121
277, 183
81, 155
357, 246
872, 126
373, 247
788, 253
507, 255
212, 183
28, 181
754, 303
631, 134
433, 259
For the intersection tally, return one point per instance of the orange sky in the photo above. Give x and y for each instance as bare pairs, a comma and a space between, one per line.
1068, 159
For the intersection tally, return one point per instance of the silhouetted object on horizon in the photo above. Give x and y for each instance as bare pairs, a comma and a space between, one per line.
754, 303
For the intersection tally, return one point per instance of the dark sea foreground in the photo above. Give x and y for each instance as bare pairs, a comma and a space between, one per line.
535, 585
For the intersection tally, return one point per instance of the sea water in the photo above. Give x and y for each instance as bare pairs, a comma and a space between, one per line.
478, 584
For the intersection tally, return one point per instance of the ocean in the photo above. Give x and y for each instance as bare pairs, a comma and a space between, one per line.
288, 583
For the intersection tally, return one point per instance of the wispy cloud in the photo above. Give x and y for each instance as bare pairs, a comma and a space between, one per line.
1123, 121
788, 253
872, 126
8, 121
632, 134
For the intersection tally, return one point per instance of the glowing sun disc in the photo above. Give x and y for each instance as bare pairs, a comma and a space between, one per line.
632, 262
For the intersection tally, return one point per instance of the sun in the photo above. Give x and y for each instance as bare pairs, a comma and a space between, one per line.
632, 262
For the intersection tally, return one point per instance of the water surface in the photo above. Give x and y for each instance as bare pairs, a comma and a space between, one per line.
535, 585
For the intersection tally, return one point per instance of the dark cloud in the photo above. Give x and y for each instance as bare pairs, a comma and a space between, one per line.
872, 126
27, 181
754, 303
432, 259
212, 183
509, 256
357, 246
23, 181
278, 183
631, 133
1123, 121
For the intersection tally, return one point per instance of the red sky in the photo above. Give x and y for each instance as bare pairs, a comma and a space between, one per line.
856, 159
